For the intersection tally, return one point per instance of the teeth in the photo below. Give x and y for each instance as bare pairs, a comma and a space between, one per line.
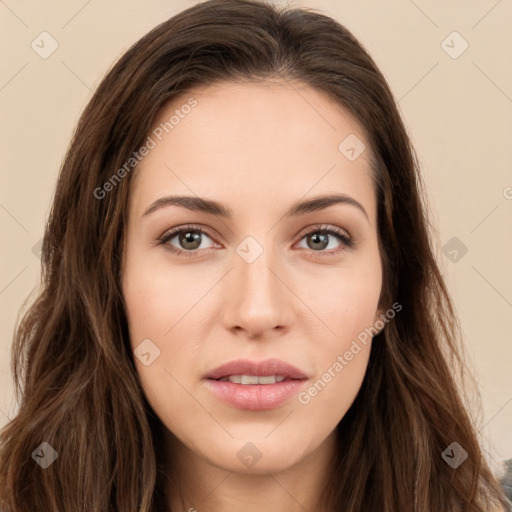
253, 379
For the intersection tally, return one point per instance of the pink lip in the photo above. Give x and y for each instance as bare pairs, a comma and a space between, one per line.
256, 396
260, 368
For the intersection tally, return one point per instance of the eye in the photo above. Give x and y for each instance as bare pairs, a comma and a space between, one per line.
189, 238
317, 239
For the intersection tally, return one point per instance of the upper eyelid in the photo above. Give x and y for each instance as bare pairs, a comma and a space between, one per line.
302, 233
320, 227
171, 233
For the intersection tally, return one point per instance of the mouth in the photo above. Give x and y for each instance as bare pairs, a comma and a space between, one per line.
264, 371
255, 379
255, 385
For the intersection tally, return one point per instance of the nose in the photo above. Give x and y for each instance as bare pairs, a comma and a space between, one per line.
258, 300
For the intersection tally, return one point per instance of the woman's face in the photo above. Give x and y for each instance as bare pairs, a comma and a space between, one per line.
258, 283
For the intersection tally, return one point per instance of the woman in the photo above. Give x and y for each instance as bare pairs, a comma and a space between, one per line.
241, 305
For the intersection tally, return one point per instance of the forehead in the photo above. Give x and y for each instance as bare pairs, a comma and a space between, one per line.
255, 143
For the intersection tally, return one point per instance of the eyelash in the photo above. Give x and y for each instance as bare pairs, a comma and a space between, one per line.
346, 241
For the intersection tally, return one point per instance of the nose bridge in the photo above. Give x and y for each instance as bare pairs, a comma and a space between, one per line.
258, 299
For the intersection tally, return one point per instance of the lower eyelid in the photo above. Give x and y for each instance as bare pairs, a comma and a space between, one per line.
345, 240
166, 238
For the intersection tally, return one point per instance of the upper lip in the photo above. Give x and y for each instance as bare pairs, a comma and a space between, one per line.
259, 368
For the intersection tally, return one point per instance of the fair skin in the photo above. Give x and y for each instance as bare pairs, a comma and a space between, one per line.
258, 149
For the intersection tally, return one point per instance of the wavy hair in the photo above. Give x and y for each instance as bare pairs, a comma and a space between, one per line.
75, 378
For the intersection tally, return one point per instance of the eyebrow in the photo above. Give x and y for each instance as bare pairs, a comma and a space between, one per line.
218, 209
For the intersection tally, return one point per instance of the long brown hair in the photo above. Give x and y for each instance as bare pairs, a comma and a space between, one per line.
75, 378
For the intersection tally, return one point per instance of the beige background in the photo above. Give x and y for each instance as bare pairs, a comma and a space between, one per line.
458, 112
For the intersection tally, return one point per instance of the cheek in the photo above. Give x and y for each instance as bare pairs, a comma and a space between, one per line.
341, 361
345, 300
156, 296
347, 307
156, 302
165, 317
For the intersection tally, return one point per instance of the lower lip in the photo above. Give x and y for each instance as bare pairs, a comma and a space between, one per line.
255, 397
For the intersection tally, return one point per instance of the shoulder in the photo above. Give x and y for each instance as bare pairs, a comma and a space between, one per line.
505, 480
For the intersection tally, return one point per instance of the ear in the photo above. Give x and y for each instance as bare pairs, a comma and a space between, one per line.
378, 314
379, 322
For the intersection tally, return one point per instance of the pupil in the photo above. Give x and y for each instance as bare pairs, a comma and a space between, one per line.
190, 237
323, 242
